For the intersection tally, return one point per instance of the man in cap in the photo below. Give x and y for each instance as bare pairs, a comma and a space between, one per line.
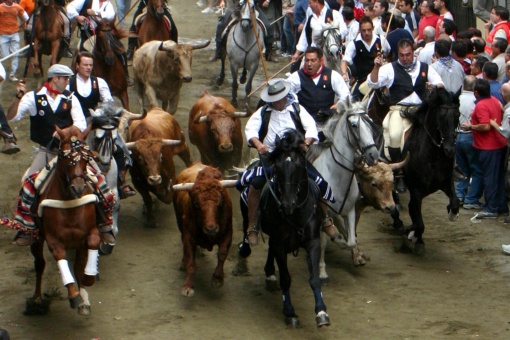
51, 105
271, 120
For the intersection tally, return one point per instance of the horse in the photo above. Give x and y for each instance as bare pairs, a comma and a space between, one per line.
154, 25
331, 46
108, 51
242, 51
66, 219
47, 34
101, 139
291, 216
431, 145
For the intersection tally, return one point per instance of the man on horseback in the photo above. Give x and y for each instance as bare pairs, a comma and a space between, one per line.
51, 105
408, 80
264, 126
229, 19
90, 91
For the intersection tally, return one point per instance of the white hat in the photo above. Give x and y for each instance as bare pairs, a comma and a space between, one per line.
275, 90
59, 70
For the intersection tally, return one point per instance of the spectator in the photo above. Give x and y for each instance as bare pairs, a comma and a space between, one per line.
466, 155
352, 25
395, 34
123, 7
477, 66
272, 11
10, 146
492, 147
459, 53
481, 9
448, 27
507, 77
498, 56
429, 17
479, 47
490, 73
427, 52
499, 18
449, 69
380, 7
411, 15
442, 6
9, 32
288, 31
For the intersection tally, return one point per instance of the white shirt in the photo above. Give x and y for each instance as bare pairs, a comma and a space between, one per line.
27, 105
337, 83
84, 88
352, 31
279, 122
106, 11
350, 50
466, 105
504, 129
387, 76
378, 28
426, 53
317, 23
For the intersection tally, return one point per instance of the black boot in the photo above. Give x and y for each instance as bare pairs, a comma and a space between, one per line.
396, 155
124, 60
132, 44
66, 48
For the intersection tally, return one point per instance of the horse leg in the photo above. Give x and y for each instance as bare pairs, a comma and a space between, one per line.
221, 76
312, 258
243, 248
59, 254
189, 252
217, 277
85, 271
322, 261
270, 270
395, 214
55, 45
37, 305
37, 57
233, 70
416, 232
281, 259
454, 205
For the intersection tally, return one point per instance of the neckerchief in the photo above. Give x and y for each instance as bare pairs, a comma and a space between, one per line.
411, 67
50, 89
446, 62
318, 73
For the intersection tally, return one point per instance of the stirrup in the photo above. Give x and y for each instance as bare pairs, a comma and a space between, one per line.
253, 235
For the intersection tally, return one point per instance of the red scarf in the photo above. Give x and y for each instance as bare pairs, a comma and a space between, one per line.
318, 73
50, 89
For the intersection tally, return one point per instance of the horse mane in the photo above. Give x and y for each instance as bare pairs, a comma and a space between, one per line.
290, 142
115, 35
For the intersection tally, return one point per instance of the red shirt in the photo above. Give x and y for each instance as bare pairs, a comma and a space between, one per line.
427, 21
485, 110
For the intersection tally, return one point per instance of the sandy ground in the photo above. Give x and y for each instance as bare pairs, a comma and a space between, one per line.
458, 290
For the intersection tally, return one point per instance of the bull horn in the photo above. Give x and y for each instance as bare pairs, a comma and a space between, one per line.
228, 183
249, 111
197, 45
134, 116
199, 119
174, 142
130, 145
240, 114
396, 166
183, 187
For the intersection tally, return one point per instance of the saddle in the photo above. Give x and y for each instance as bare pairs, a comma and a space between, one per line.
141, 17
235, 21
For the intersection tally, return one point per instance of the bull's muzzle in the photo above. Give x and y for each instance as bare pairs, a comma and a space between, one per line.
187, 79
154, 180
211, 230
226, 147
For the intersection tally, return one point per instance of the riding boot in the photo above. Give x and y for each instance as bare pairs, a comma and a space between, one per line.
396, 155
327, 224
67, 47
10, 146
124, 60
253, 215
104, 225
125, 190
132, 44
269, 55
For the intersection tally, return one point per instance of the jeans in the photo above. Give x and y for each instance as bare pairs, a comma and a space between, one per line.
9, 43
289, 36
467, 158
122, 7
493, 168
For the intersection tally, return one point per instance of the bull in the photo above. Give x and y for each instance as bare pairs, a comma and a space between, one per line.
215, 129
160, 68
154, 141
203, 209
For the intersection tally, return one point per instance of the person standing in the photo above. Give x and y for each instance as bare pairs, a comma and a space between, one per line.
10, 146
427, 52
477, 66
442, 6
490, 73
428, 18
498, 56
411, 15
10, 12
492, 147
500, 27
450, 70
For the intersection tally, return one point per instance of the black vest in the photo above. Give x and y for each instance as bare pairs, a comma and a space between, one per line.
316, 97
266, 116
308, 28
89, 102
364, 59
404, 87
86, 5
42, 125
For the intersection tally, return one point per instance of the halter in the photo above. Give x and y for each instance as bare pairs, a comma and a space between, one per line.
327, 47
74, 155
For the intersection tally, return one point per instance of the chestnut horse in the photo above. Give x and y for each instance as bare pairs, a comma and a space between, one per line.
154, 26
66, 219
107, 53
47, 31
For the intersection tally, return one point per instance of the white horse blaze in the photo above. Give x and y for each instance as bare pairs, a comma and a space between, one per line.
67, 277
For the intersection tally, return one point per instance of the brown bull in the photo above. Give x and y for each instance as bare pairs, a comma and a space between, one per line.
203, 209
215, 129
160, 68
154, 141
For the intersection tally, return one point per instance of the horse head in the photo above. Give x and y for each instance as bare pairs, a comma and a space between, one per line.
331, 43
108, 44
73, 157
245, 16
105, 122
289, 169
445, 105
156, 8
359, 130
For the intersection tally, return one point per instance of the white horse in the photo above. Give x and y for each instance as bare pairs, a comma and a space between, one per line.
243, 51
330, 41
352, 141
102, 137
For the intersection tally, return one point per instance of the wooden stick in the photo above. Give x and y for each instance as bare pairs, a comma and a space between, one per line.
274, 75
125, 15
254, 26
15, 52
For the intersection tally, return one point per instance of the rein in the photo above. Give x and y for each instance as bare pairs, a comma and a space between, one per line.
246, 51
441, 142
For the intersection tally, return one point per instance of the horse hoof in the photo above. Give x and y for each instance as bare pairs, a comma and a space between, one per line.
187, 291
36, 307
216, 282
244, 249
105, 248
419, 249
272, 284
75, 302
292, 321
322, 319
241, 267
84, 310
325, 281
453, 216
219, 81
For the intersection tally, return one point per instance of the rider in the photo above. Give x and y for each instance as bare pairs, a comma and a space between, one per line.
90, 91
232, 16
133, 41
87, 14
271, 120
51, 105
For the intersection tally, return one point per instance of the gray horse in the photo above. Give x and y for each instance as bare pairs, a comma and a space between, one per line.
242, 51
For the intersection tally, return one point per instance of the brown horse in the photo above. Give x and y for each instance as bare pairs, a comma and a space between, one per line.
48, 31
67, 220
154, 26
107, 53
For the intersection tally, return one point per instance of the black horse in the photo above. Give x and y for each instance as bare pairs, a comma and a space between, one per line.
431, 147
291, 216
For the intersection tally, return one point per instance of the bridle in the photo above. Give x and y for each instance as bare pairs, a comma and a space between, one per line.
73, 156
